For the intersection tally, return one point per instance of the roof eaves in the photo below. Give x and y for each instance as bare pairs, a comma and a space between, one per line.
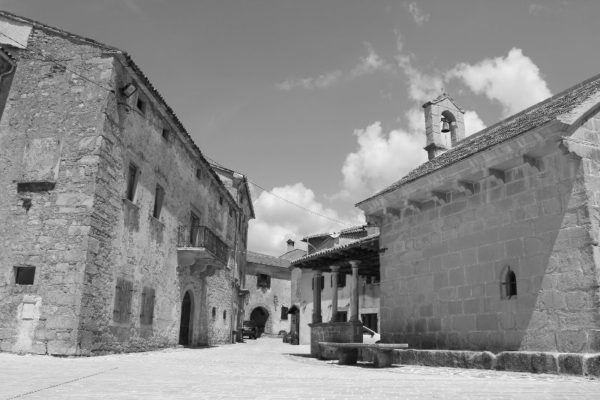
334, 249
497, 133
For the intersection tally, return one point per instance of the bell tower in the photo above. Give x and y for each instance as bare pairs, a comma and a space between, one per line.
444, 124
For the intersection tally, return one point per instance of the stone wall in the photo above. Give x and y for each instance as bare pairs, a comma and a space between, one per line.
336, 332
271, 299
443, 269
65, 149
48, 161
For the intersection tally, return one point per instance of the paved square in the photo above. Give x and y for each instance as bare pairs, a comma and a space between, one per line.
264, 369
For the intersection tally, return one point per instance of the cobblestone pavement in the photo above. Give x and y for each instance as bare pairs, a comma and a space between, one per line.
264, 369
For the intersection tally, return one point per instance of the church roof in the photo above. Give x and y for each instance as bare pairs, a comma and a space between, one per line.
530, 118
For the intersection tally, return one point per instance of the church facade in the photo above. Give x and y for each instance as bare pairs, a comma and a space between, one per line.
493, 243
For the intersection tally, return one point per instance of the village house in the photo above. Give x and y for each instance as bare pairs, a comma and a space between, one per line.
117, 233
493, 243
324, 305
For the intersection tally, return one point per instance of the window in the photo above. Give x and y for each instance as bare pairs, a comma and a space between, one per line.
147, 306
284, 312
224, 315
24, 275
509, 284
159, 195
370, 321
263, 281
195, 238
322, 283
122, 308
341, 280
342, 316
220, 200
198, 173
214, 312
141, 105
132, 178
165, 134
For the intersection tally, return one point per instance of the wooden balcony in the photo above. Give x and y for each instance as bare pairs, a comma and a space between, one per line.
200, 247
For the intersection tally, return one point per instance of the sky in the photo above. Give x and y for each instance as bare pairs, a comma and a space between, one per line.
318, 102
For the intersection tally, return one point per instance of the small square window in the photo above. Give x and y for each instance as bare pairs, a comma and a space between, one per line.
24, 275
198, 173
263, 281
220, 200
166, 134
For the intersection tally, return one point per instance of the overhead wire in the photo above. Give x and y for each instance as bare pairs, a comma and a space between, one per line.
56, 62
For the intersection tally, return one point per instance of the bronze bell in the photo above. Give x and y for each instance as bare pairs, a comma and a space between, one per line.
445, 125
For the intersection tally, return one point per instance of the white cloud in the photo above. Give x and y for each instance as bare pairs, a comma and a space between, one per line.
473, 123
319, 82
380, 160
366, 65
278, 220
421, 86
538, 9
417, 14
514, 81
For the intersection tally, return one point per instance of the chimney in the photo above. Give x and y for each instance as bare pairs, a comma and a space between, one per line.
290, 245
444, 124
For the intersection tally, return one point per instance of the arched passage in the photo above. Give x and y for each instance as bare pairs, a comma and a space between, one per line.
261, 316
185, 327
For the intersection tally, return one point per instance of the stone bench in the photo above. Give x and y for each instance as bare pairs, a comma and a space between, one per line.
347, 353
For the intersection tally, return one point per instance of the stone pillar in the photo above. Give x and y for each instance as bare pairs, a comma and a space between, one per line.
334, 297
316, 316
354, 300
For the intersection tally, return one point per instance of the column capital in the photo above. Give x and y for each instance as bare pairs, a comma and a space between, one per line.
355, 263
334, 268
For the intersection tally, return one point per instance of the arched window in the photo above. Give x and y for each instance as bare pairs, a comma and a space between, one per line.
509, 284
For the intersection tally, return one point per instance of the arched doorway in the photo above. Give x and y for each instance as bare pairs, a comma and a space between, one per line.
185, 327
261, 317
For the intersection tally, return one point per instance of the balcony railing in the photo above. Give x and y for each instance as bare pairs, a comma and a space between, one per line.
199, 236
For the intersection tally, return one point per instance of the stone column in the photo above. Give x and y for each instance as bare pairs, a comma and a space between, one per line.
354, 300
316, 316
334, 297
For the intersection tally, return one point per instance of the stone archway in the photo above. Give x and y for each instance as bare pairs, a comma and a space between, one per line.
261, 317
186, 323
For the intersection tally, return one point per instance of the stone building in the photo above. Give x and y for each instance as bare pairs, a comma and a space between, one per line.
330, 263
493, 243
268, 286
117, 233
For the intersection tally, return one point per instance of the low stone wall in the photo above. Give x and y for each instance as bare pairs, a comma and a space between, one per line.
337, 332
587, 364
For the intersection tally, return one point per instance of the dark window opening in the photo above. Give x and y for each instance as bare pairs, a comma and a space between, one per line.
370, 321
35, 186
224, 315
198, 173
159, 196
509, 285
141, 105
322, 281
24, 275
263, 281
341, 280
342, 316
284, 312
122, 308
195, 238
220, 200
147, 306
214, 312
165, 134
131, 182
